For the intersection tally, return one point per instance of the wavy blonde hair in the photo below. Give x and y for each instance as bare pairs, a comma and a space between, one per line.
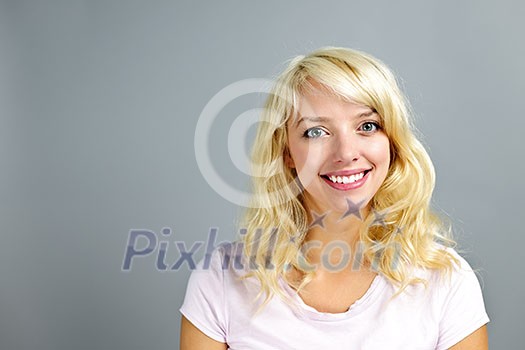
277, 215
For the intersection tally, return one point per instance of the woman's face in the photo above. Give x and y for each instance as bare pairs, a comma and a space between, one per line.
339, 151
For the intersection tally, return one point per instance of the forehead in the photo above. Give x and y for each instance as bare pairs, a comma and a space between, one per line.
319, 103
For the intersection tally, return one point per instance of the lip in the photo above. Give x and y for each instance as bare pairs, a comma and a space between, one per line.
350, 186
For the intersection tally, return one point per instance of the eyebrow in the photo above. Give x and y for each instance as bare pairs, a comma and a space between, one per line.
318, 119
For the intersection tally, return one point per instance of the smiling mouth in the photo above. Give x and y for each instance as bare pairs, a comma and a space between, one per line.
346, 179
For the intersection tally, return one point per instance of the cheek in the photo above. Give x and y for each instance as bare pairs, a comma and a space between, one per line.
304, 156
307, 161
379, 152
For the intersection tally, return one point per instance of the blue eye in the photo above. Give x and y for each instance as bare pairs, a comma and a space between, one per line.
370, 127
314, 133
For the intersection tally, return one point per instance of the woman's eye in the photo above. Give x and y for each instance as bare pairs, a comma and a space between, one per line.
370, 127
313, 133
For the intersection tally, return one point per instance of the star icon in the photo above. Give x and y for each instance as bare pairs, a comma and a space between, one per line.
398, 231
318, 220
379, 219
293, 239
353, 209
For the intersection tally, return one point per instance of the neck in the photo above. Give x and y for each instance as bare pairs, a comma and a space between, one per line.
334, 227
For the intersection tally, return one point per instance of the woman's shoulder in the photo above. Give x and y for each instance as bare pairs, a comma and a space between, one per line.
458, 300
210, 293
227, 259
443, 280
459, 265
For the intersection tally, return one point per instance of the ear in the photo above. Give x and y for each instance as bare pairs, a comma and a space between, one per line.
288, 161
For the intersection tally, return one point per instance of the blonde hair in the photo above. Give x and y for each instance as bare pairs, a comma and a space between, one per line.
277, 216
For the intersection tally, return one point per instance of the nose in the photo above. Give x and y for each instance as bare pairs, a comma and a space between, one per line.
345, 148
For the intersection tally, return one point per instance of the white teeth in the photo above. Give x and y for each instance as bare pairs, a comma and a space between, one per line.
346, 179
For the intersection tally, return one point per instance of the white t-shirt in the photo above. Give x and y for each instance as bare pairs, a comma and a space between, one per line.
222, 306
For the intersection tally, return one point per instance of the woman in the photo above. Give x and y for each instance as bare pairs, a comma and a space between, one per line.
340, 249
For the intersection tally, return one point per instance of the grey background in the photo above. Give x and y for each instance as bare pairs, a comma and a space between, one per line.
99, 101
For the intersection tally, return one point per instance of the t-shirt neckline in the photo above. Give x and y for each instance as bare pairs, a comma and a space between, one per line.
361, 304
